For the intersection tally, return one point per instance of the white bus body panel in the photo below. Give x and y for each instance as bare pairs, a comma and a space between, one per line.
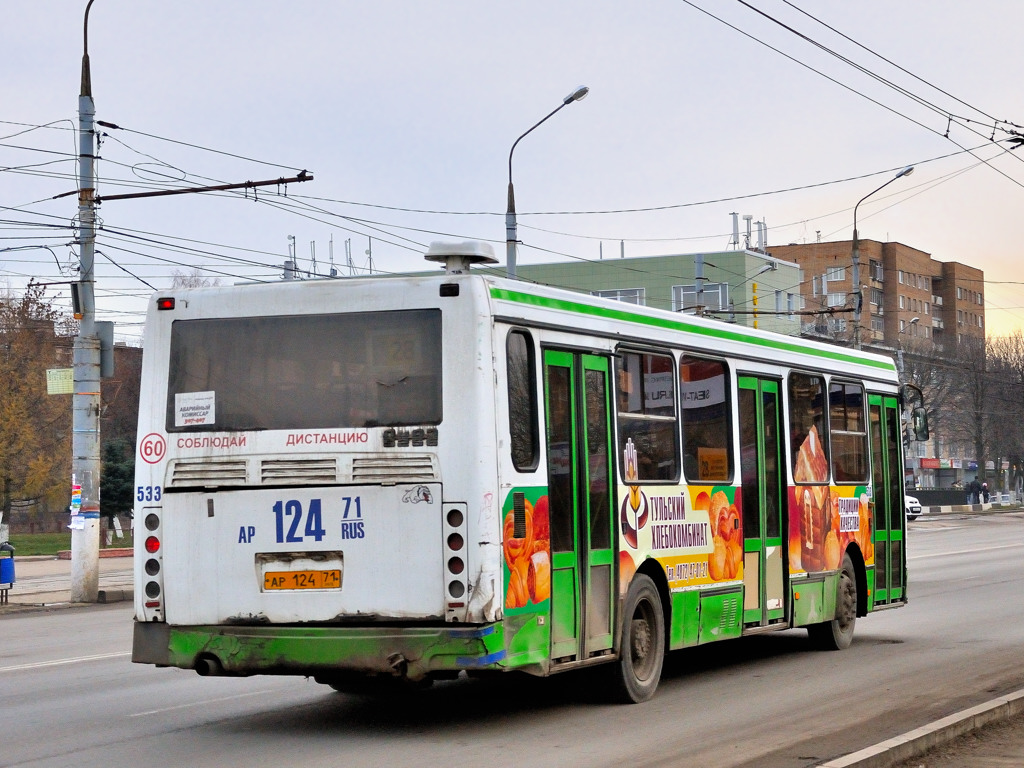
233, 538
398, 570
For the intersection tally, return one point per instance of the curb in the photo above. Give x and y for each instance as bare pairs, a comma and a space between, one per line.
968, 509
918, 741
65, 554
103, 597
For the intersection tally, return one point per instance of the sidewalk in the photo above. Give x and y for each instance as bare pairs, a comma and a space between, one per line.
985, 736
44, 582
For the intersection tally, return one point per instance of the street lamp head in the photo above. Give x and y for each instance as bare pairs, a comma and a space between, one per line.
915, 320
905, 172
511, 228
578, 95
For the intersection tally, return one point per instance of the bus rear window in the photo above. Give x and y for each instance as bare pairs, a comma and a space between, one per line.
352, 370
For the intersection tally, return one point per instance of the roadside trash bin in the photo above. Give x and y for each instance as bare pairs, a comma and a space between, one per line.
6, 570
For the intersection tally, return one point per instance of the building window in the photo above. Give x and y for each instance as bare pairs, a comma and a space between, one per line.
900, 274
927, 283
836, 299
875, 270
716, 297
927, 307
835, 274
876, 296
877, 323
790, 303
816, 286
778, 302
959, 317
628, 295
903, 325
903, 303
959, 293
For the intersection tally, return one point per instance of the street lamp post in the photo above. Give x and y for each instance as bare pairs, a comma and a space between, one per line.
859, 297
511, 230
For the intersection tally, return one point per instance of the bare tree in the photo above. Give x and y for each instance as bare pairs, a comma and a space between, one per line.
193, 279
1006, 367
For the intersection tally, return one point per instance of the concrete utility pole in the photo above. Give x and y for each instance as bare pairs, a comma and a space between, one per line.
85, 440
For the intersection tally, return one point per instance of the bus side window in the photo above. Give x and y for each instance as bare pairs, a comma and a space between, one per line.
707, 420
808, 432
848, 433
522, 401
647, 417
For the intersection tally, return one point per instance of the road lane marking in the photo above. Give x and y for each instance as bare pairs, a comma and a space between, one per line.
200, 703
59, 662
964, 551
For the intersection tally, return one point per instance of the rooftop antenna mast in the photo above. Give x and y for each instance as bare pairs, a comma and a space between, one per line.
734, 242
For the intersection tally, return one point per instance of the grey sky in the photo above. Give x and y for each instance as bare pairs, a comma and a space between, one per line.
415, 106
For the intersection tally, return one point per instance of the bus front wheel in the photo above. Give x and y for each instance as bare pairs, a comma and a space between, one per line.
643, 642
836, 635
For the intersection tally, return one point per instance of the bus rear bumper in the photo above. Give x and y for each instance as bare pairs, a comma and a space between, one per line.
413, 653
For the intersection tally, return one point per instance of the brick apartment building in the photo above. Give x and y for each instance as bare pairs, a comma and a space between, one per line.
899, 284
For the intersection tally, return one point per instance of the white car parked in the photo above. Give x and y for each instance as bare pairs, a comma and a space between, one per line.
913, 507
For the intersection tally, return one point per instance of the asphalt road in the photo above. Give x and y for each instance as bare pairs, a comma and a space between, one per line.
70, 696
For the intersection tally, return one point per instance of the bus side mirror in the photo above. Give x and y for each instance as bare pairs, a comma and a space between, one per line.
920, 424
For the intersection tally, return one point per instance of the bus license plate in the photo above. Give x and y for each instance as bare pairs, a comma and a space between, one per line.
329, 579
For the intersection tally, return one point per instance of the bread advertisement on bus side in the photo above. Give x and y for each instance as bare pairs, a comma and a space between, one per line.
527, 554
824, 519
694, 532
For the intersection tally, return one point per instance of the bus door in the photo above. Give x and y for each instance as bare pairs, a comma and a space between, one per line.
886, 480
580, 498
761, 474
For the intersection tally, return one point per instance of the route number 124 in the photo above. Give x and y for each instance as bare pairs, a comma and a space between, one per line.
288, 514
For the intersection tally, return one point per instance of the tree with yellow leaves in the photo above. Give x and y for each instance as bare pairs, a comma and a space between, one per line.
35, 428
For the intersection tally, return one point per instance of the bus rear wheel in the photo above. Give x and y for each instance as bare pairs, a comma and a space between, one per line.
836, 635
643, 642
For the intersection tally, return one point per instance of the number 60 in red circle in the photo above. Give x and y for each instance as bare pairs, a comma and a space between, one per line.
152, 448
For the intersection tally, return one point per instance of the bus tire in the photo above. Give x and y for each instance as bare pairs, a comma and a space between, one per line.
837, 634
642, 651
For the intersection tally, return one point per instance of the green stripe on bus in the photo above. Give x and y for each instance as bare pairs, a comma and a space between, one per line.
519, 297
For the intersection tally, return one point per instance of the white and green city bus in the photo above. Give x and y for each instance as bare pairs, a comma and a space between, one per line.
402, 479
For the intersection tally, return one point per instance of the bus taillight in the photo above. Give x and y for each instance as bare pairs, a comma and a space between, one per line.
455, 561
